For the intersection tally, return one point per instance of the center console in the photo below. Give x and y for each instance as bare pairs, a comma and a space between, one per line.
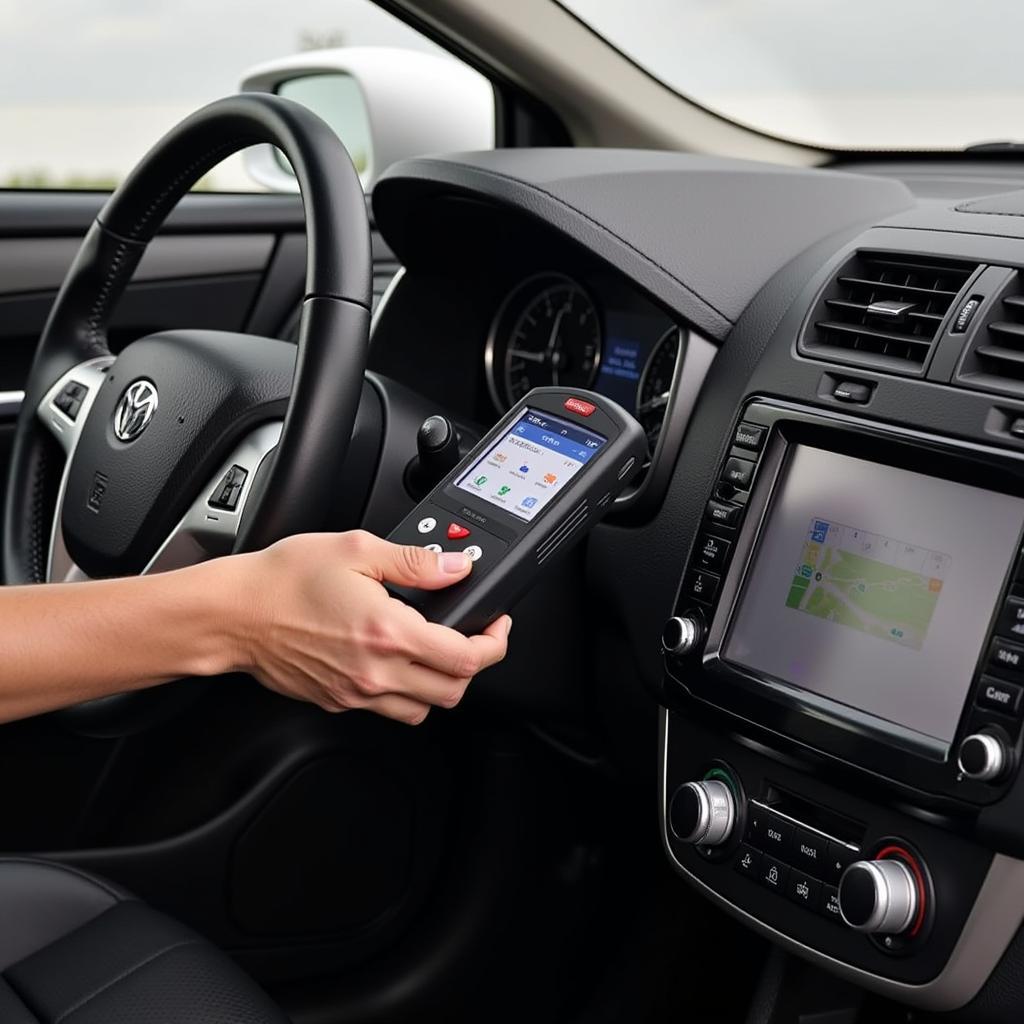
850, 623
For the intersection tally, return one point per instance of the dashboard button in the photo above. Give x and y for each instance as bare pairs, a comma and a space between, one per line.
711, 552
739, 473
723, 513
996, 695
851, 391
700, 586
828, 903
773, 874
748, 861
771, 833
749, 436
810, 852
1006, 657
1011, 619
839, 858
803, 889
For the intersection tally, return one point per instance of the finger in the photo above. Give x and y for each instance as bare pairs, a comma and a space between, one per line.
409, 565
438, 647
492, 644
428, 686
399, 707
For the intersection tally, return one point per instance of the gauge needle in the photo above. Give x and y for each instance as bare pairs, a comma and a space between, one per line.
552, 344
530, 357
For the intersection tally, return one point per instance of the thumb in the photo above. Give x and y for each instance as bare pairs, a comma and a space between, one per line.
412, 566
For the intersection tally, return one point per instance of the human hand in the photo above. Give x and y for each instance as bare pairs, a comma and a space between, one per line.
322, 628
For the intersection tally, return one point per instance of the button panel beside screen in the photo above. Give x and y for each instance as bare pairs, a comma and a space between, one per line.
523, 471
873, 587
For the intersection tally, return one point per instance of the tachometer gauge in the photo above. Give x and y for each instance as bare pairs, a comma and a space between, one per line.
656, 385
547, 333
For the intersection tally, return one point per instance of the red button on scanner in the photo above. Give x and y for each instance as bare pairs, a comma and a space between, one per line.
456, 532
578, 406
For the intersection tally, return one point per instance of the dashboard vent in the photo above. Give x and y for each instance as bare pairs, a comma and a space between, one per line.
994, 359
885, 310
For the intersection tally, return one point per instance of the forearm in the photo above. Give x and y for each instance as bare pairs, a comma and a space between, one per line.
72, 642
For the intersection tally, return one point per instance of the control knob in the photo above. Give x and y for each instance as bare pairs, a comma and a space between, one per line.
682, 633
878, 896
703, 813
983, 757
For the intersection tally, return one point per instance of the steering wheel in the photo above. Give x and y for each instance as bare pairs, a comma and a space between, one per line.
188, 443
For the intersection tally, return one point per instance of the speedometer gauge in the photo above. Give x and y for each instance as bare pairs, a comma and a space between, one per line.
656, 385
547, 333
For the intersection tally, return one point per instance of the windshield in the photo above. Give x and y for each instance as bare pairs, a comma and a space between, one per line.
874, 74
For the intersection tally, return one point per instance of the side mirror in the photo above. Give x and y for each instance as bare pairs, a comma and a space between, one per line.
385, 103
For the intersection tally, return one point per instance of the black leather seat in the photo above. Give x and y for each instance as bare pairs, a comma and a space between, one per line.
77, 950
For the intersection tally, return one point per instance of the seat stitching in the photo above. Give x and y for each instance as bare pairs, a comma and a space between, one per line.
123, 976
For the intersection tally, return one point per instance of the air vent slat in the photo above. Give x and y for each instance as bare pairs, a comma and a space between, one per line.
994, 357
1007, 329
1016, 301
885, 310
1004, 355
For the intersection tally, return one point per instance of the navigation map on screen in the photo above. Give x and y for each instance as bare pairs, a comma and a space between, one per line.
881, 586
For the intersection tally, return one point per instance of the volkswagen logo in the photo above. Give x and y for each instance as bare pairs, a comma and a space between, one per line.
135, 409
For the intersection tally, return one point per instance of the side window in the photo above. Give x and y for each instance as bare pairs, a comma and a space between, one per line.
86, 89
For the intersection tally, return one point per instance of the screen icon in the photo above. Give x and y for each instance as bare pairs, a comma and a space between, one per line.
550, 478
503, 490
500, 456
524, 468
480, 481
529, 502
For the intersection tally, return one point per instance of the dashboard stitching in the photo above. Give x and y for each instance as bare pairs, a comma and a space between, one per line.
603, 227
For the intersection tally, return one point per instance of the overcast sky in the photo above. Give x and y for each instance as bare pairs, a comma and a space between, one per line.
87, 85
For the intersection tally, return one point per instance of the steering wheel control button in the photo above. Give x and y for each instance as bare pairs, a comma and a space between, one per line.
983, 757
878, 896
226, 494
457, 532
748, 861
681, 634
69, 400
750, 436
700, 586
427, 524
996, 695
739, 473
711, 552
703, 813
474, 552
803, 890
724, 514
580, 407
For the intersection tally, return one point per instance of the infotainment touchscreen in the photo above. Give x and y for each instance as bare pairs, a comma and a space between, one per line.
873, 587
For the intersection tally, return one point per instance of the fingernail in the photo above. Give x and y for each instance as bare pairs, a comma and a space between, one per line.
452, 561
508, 624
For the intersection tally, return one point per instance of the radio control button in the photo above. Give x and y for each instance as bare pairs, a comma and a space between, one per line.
426, 524
1011, 619
983, 757
829, 904
1007, 657
840, 857
749, 436
803, 889
774, 874
711, 552
723, 513
995, 695
739, 473
809, 852
700, 586
748, 861
771, 833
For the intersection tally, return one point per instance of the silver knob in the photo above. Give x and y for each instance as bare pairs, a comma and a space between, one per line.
878, 896
681, 634
703, 813
983, 757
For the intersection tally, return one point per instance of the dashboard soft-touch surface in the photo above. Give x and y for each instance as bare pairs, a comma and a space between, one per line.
840, 298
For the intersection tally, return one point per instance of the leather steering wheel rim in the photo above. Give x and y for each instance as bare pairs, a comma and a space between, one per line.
334, 325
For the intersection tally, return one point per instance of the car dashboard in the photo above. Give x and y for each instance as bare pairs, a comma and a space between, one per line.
829, 537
